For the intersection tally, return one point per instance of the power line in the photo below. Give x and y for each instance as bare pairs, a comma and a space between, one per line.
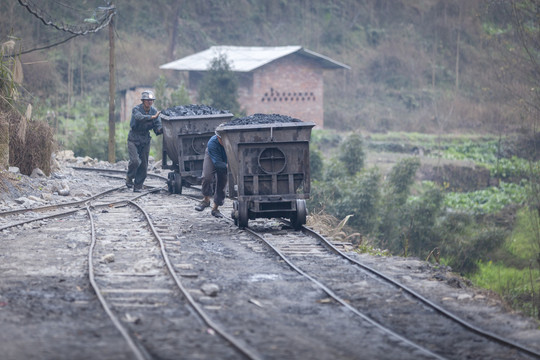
92, 25
77, 30
46, 47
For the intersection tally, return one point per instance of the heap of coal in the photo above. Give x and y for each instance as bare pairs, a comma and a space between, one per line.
191, 110
261, 119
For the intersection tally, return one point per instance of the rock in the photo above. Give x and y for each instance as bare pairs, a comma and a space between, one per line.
123, 164
81, 193
109, 258
37, 173
156, 167
144, 266
55, 165
210, 289
14, 170
87, 160
66, 155
63, 192
61, 188
21, 200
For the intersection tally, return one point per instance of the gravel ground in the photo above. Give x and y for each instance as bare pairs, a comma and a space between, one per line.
30, 320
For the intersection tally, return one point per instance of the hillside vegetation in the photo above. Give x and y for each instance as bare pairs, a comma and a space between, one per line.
423, 65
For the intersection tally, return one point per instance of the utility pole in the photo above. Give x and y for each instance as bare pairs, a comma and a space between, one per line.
112, 126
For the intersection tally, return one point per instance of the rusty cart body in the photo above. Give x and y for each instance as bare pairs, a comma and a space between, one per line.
184, 144
269, 174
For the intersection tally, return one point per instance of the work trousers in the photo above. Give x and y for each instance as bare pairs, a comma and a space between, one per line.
138, 161
211, 177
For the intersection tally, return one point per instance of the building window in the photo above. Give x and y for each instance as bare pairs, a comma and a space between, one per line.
274, 95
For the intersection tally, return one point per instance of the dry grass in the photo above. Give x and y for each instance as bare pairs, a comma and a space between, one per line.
331, 227
31, 144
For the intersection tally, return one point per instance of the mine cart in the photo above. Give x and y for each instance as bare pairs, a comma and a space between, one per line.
268, 170
184, 143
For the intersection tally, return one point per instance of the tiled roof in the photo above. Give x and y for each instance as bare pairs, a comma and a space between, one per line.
246, 58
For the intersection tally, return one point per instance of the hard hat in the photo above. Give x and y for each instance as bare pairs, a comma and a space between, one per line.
147, 95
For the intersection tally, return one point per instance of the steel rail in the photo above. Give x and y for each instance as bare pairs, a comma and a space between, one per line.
342, 301
441, 310
57, 206
244, 350
64, 213
123, 172
113, 171
137, 349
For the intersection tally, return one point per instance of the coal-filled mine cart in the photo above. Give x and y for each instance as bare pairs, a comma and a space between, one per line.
268, 168
186, 131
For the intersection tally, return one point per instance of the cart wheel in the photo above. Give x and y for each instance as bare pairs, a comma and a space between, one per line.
177, 183
299, 217
243, 217
170, 180
234, 213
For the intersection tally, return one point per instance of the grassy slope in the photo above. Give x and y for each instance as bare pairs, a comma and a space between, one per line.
402, 54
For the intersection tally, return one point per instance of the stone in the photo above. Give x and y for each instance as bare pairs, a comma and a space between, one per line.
210, 289
37, 173
109, 258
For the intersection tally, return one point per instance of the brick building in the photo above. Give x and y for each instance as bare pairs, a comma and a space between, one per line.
284, 80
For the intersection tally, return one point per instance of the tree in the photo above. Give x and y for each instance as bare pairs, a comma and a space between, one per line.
219, 86
394, 218
352, 153
515, 40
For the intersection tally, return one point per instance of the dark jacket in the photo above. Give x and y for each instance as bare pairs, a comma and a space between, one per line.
141, 123
216, 151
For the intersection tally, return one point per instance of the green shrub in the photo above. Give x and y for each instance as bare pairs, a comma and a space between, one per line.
419, 220
351, 153
334, 170
315, 163
518, 286
360, 197
325, 139
357, 196
464, 242
401, 178
524, 242
323, 196
84, 128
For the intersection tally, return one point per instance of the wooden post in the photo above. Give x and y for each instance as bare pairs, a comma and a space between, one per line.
112, 129
4, 141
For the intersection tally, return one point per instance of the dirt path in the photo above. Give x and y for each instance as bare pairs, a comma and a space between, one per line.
48, 311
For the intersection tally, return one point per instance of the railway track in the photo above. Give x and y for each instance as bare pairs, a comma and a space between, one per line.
180, 282
131, 272
405, 311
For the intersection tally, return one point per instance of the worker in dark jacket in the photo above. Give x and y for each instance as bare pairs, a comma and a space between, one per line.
144, 117
214, 170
